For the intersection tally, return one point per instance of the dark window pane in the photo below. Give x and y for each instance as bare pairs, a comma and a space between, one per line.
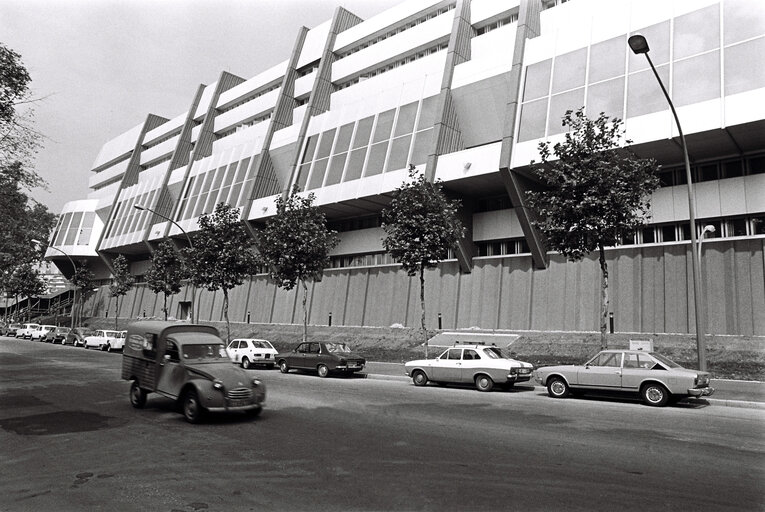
607, 59
668, 233
533, 116
738, 227
665, 177
363, 131
756, 165
326, 144
344, 138
697, 79
707, 172
537, 80
427, 113
680, 176
310, 147
317, 173
697, 31
405, 121
422, 147
355, 164
230, 173
758, 225
384, 126
649, 235
302, 178
336, 169
569, 70
399, 153
732, 169
685, 231
376, 158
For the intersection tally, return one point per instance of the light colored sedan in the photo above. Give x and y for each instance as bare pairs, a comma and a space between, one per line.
43, 333
656, 378
249, 351
483, 366
103, 340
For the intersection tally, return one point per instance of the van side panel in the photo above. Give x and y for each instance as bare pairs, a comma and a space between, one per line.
142, 369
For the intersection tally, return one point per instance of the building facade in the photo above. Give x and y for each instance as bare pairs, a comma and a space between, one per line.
464, 90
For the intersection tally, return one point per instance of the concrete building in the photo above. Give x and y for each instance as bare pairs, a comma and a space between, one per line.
464, 90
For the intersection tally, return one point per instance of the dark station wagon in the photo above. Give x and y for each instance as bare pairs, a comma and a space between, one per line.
322, 357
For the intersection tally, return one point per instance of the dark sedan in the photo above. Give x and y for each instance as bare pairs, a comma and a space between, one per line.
323, 357
59, 335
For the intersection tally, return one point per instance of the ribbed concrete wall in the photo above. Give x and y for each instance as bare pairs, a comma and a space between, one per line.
650, 287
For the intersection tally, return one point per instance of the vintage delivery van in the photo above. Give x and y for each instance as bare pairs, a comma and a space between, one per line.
187, 363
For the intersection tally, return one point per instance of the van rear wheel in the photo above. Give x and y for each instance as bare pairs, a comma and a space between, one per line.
137, 395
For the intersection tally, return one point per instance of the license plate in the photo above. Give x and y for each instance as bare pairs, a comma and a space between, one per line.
524, 371
240, 402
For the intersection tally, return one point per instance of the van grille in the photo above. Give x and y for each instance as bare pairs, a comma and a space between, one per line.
239, 393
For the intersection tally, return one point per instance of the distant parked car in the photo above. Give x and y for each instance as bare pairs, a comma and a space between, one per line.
26, 330
76, 336
12, 329
656, 378
102, 339
321, 357
59, 335
481, 365
248, 351
118, 343
41, 333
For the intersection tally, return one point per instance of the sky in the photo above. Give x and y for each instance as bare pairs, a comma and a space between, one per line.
98, 67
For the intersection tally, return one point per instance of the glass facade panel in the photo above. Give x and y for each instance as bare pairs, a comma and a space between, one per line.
376, 158
658, 42
533, 116
363, 131
697, 31
317, 173
87, 228
606, 97
559, 104
422, 146
607, 59
74, 228
537, 80
740, 74
668, 234
399, 153
696, 79
355, 164
336, 165
310, 147
644, 94
569, 70
344, 138
732, 169
405, 122
302, 178
325, 146
743, 19
427, 113
384, 126
62, 229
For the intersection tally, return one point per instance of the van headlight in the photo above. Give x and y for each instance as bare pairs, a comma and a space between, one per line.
218, 384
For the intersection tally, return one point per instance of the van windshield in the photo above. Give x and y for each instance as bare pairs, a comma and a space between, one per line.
207, 351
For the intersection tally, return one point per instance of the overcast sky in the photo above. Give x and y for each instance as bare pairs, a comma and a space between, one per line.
101, 65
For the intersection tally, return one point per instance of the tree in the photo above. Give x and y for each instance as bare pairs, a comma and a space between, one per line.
421, 225
295, 244
166, 273
25, 281
82, 280
122, 282
598, 192
221, 256
19, 142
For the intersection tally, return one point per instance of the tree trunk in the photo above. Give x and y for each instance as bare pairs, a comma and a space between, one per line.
225, 315
116, 312
422, 309
305, 310
603, 297
164, 304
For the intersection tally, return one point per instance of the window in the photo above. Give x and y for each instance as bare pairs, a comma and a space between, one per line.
611, 359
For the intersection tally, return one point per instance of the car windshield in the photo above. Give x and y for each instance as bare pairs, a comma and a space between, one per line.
205, 352
665, 361
337, 347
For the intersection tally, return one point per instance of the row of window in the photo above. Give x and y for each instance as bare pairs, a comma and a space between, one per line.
74, 228
341, 226
395, 31
244, 126
160, 140
255, 96
390, 140
497, 24
710, 171
127, 219
224, 184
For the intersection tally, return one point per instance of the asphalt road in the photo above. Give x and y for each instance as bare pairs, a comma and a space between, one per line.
69, 440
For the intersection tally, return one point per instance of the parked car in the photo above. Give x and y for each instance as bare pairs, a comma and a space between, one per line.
187, 363
481, 365
323, 357
76, 336
59, 335
26, 330
12, 329
41, 333
118, 342
656, 378
249, 351
102, 339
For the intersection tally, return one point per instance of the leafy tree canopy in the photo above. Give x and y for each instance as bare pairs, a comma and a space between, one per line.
18, 140
122, 279
598, 191
166, 273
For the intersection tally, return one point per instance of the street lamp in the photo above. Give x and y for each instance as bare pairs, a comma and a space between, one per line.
709, 228
74, 271
188, 239
639, 44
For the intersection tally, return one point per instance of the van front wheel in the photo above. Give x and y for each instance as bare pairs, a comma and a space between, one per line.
192, 409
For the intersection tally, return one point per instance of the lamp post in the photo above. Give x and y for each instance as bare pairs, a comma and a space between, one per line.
188, 239
709, 228
74, 271
639, 45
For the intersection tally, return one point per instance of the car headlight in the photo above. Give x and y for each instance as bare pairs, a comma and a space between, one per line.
217, 384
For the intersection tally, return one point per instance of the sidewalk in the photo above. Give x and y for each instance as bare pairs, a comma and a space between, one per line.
728, 393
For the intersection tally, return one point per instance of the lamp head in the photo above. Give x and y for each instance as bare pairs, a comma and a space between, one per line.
34, 241
638, 44
139, 207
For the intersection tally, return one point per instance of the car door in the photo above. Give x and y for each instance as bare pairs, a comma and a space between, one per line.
635, 369
172, 374
314, 356
603, 371
449, 367
471, 361
297, 358
233, 350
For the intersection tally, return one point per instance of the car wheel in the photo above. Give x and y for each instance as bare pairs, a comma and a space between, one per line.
137, 395
192, 409
283, 367
245, 363
558, 388
323, 370
655, 395
419, 378
483, 383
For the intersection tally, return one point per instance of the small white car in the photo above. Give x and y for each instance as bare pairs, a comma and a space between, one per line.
26, 330
42, 333
249, 351
103, 340
481, 365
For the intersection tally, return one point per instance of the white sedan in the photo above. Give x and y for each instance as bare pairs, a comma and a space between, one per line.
103, 340
249, 351
484, 366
